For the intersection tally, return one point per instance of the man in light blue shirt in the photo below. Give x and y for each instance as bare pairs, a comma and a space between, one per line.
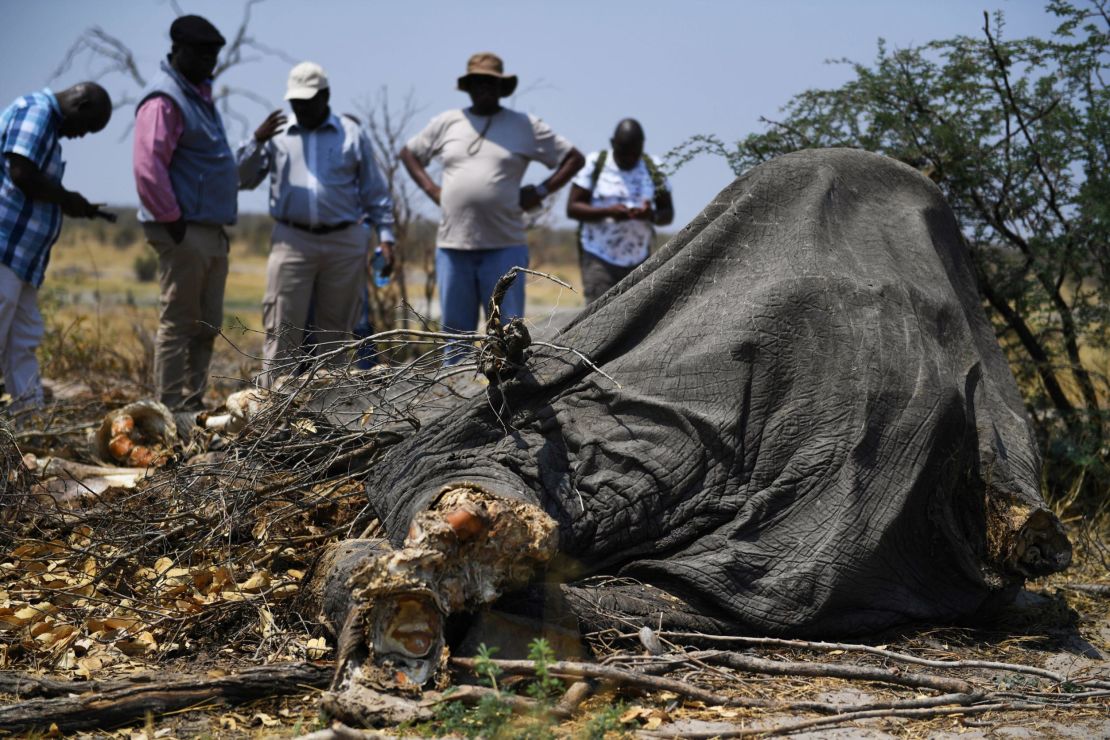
323, 183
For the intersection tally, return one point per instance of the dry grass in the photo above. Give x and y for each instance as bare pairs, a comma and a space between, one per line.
101, 318
91, 277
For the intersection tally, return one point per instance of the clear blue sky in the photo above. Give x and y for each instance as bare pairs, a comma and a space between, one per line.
681, 68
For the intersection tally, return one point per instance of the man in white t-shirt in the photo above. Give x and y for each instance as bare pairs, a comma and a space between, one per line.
619, 196
484, 150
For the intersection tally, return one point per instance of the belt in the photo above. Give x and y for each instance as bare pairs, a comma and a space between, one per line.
319, 228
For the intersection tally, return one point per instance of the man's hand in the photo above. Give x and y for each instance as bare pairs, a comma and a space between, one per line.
387, 252
74, 205
619, 212
177, 230
269, 128
529, 198
643, 213
387, 256
26, 176
419, 174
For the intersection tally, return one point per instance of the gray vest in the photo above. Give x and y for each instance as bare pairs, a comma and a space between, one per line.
203, 172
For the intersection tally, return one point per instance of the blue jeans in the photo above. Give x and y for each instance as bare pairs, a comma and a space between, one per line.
466, 277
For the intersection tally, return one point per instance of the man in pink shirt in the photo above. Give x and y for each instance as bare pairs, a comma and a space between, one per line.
187, 182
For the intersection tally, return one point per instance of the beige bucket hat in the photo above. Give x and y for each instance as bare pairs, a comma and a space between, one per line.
488, 64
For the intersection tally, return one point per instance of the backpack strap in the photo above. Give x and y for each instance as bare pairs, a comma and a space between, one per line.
599, 165
657, 178
595, 175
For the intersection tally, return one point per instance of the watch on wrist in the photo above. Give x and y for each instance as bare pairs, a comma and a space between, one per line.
542, 191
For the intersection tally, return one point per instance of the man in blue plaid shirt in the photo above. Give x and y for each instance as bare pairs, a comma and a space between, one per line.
32, 201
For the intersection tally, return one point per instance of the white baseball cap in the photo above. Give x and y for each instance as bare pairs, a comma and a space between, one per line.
305, 80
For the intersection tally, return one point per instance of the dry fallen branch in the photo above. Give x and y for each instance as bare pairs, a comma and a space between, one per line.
573, 697
115, 707
752, 664
701, 638
618, 676
687, 690
26, 686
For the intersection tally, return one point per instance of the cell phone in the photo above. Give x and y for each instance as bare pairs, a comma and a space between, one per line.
106, 215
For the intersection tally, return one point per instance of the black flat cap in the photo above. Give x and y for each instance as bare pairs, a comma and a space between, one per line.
195, 31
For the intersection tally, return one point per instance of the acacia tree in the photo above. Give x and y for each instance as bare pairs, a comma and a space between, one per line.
1016, 133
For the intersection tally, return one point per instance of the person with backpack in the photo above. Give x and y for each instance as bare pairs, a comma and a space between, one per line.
619, 197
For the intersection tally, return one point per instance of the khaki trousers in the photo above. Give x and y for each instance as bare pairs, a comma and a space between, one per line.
329, 269
192, 275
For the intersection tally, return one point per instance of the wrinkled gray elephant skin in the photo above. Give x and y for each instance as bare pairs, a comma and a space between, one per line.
812, 430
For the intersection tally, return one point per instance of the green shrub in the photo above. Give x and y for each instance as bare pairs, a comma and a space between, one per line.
1013, 132
492, 716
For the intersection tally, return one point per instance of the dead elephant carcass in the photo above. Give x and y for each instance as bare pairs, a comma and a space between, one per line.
812, 430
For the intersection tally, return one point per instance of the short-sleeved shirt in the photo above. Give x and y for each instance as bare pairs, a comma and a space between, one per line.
482, 174
622, 243
28, 228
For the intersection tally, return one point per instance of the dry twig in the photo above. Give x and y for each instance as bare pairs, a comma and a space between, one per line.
701, 638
